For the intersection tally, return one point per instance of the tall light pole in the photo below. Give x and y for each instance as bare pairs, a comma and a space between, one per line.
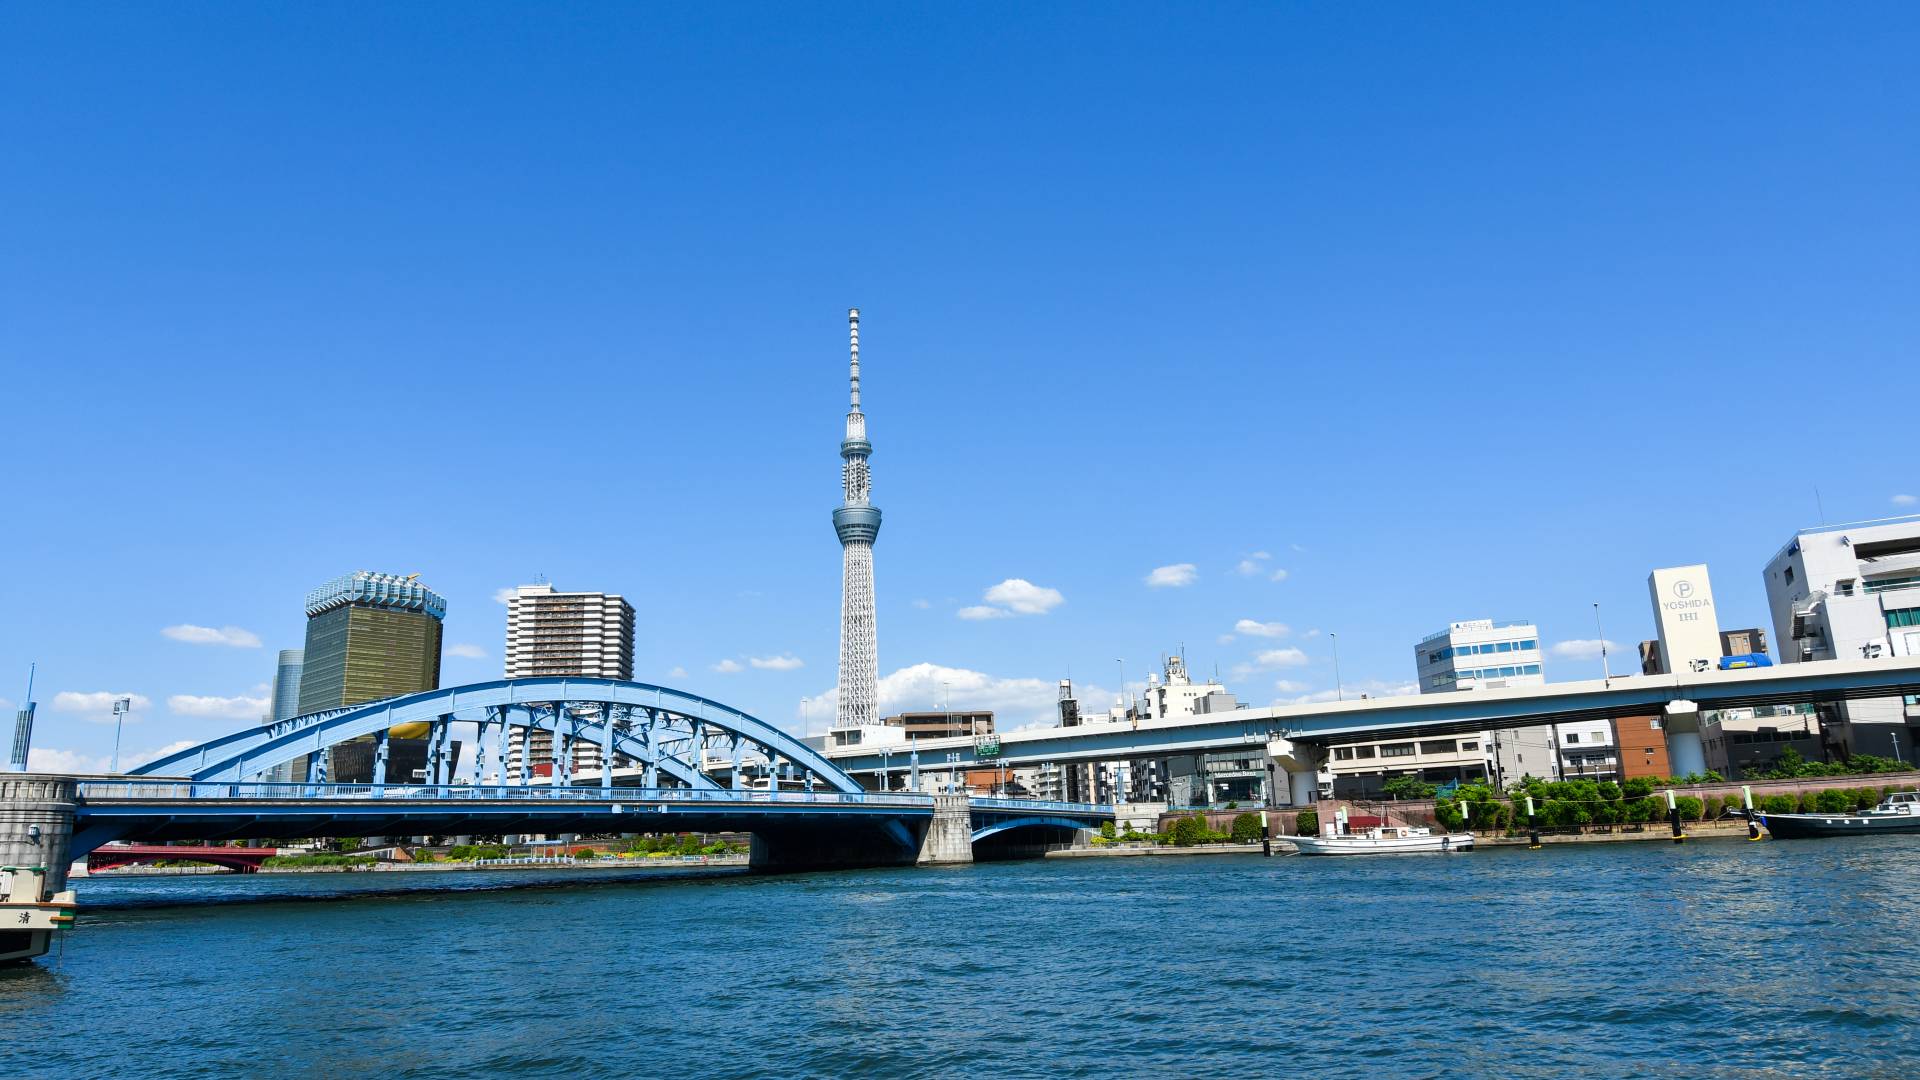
806, 714
121, 707
1123, 686
1339, 688
1606, 670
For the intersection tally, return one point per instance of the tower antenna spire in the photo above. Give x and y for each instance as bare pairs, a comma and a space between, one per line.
853, 337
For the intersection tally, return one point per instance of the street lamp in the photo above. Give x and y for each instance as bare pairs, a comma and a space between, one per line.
121, 707
806, 714
1123, 686
1606, 671
1339, 688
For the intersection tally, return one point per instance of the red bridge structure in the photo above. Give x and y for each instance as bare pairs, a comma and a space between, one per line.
246, 860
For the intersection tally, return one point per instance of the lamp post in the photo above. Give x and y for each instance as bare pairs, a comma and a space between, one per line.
1339, 688
806, 714
121, 707
1606, 670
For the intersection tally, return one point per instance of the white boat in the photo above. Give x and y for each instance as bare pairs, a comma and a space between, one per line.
1384, 840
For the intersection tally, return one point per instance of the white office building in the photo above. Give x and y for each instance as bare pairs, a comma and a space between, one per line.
1850, 592
553, 634
1482, 654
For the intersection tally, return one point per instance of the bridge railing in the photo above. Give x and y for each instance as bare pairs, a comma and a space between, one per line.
983, 802
146, 790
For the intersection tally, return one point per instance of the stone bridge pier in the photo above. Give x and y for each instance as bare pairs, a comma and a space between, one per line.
36, 836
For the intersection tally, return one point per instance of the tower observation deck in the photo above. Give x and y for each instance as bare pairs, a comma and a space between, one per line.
857, 521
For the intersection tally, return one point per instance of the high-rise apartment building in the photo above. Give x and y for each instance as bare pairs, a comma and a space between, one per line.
371, 636
553, 634
1852, 592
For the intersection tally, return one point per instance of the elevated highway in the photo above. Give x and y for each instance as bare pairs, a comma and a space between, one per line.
1299, 735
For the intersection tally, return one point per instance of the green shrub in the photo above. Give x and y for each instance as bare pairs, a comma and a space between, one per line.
1712, 812
583, 853
1188, 831
1407, 786
1307, 823
1832, 801
1689, 806
1778, 804
1107, 831
1246, 828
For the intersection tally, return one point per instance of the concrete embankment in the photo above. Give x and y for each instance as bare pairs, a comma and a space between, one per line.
1104, 851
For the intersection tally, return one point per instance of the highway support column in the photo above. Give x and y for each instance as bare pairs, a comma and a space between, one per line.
949, 836
36, 835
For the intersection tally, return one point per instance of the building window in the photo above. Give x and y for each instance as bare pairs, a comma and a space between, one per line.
1363, 751
1573, 737
1470, 745
1446, 747
1907, 617
1343, 753
1404, 749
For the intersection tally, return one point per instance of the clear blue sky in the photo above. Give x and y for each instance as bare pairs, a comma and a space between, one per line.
1454, 312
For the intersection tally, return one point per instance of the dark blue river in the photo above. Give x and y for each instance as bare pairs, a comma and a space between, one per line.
1713, 959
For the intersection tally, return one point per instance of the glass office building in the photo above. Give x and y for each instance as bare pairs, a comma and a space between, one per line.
370, 636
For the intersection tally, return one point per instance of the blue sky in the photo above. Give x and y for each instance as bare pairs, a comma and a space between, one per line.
1452, 312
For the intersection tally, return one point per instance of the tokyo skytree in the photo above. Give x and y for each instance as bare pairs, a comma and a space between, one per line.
857, 521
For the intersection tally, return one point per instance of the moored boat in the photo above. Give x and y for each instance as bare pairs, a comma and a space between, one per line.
1898, 813
1383, 840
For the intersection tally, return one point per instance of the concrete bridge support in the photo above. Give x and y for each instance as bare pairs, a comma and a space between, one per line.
949, 838
1686, 755
36, 834
1302, 763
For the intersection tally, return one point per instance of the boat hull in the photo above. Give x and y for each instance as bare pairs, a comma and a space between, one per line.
1800, 826
1361, 845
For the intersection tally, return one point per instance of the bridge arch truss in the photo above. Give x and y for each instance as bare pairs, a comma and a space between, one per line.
673, 738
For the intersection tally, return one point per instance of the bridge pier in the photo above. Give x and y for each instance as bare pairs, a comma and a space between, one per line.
1686, 754
949, 836
1302, 763
36, 836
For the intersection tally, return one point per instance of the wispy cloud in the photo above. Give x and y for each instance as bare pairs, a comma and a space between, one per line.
467, 652
230, 636
676, 672
1905, 500
1250, 566
1176, 576
1371, 688
783, 662
728, 667
1583, 648
239, 707
502, 595
922, 604
1252, 628
74, 763
1278, 658
1014, 596
1279, 574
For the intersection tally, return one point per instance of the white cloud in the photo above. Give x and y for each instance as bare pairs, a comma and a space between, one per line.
1905, 500
982, 611
1261, 629
783, 662
1278, 575
1173, 577
74, 763
727, 667
501, 596
1015, 702
1224, 639
1583, 648
1024, 597
1250, 566
467, 652
96, 705
1313, 633
676, 672
1014, 596
1287, 657
66, 762
238, 707
1288, 686
922, 604
231, 636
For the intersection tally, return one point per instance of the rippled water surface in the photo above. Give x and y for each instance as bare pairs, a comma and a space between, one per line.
1713, 959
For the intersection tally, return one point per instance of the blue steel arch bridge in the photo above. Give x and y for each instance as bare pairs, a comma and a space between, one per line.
688, 764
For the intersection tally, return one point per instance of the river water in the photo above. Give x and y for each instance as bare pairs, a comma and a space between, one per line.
1794, 958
